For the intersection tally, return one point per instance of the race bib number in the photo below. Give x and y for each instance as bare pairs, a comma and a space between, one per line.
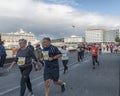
21, 61
64, 55
45, 55
78, 50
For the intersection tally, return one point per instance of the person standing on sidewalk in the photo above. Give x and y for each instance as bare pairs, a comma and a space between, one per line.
24, 60
95, 55
51, 69
65, 57
2, 55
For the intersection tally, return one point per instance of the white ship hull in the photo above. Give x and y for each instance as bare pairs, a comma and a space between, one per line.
11, 39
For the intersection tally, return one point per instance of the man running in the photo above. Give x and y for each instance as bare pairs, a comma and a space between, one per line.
51, 69
95, 55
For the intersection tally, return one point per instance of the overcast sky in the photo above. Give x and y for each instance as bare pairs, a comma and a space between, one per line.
55, 18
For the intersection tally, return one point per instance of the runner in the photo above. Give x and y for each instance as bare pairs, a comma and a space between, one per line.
51, 69
79, 50
116, 49
83, 51
65, 58
38, 54
100, 49
95, 55
111, 48
30, 46
107, 47
24, 60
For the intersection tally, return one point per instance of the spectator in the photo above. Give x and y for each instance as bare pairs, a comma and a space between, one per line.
2, 55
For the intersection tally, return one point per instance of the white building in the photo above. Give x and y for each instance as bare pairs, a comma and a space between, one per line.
94, 35
71, 42
110, 35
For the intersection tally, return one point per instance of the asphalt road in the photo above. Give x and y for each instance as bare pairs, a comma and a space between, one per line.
81, 79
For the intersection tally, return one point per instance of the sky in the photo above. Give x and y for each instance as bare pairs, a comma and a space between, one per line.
105, 7
56, 18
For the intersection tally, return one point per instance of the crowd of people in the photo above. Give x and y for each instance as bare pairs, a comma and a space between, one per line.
112, 48
26, 56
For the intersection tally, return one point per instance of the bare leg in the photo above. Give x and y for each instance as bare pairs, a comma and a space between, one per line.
60, 83
47, 87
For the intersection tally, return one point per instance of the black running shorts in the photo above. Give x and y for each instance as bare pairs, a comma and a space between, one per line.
52, 74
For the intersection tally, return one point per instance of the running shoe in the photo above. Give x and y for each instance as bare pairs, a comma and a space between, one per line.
63, 87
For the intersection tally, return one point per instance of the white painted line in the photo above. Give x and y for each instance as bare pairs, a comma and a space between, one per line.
14, 88
9, 90
39, 84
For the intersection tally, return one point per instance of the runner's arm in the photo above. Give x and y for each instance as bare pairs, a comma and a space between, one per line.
57, 56
11, 66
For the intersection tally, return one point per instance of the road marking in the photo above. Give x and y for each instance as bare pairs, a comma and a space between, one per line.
14, 88
9, 90
39, 84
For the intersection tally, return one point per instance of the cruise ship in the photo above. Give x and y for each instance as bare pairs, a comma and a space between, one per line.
11, 39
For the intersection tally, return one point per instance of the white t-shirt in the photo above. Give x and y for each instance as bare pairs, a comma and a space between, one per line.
65, 54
